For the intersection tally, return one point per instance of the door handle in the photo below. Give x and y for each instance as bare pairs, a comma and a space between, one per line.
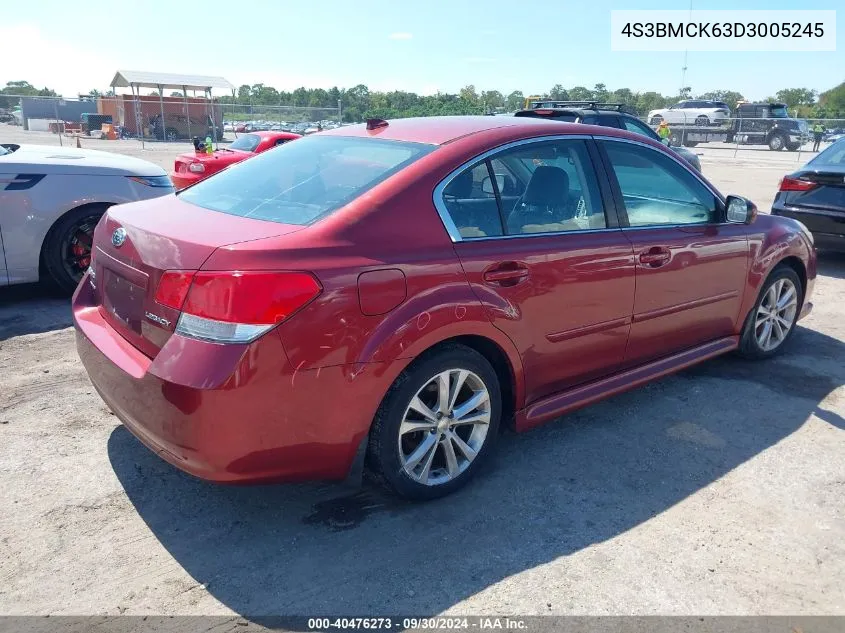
506, 273
655, 257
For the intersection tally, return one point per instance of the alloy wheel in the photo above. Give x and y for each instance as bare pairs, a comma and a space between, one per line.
776, 314
444, 427
76, 248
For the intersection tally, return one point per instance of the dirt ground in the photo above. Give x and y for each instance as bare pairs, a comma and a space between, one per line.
720, 490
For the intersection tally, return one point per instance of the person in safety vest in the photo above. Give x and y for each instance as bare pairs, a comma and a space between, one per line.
663, 131
818, 132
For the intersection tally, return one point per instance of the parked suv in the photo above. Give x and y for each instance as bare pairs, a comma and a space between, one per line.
604, 114
692, 112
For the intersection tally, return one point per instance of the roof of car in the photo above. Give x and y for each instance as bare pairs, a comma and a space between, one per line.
438, 130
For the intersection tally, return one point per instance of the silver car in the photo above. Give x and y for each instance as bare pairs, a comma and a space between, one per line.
51, 199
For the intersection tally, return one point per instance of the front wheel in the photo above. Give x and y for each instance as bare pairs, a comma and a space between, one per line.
437, 424
777, 142
772, 319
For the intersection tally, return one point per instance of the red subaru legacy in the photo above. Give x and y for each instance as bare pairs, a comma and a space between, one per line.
191, 168
386, 296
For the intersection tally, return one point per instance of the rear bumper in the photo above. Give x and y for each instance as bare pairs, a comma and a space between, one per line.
828, 230
227, 413
181, 180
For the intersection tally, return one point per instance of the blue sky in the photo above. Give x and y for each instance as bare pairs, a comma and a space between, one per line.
403, 44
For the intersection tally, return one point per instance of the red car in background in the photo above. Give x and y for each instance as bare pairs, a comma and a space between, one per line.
191, 168
386, 295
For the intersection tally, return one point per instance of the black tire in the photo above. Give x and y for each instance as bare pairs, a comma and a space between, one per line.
777, 142
793, 147
63, 235
702, 120
748, 344
383, 459
171, 134
656, 120
690, 143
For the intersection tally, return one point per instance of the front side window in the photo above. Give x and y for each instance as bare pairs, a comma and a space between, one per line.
299, 183
657, 190
531, 189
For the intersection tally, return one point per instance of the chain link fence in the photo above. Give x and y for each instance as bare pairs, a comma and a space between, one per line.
151, 118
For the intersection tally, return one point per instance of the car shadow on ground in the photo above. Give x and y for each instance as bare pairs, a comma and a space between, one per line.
584, 479
32, 309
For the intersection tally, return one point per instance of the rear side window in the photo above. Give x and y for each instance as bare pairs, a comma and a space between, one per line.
833, 155
536, 188
299, 183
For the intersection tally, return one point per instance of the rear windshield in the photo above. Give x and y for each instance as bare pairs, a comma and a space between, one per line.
246, 143
298, 183
833, 155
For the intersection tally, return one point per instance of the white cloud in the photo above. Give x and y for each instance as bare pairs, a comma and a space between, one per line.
400, 36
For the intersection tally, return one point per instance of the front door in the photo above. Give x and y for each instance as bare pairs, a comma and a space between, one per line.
691, 265
546, 258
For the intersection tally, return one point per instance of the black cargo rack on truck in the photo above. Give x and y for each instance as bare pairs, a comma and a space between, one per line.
754, 124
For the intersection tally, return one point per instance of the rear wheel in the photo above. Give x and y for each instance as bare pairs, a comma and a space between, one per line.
656, 120
772, 319
172, 134
702, 120
793, 147
437, 424
67, 250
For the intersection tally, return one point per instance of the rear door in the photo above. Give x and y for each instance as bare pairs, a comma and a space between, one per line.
546, 257
691, 265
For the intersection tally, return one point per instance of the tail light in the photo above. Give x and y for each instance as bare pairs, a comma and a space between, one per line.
234, 307
197, 168
796, 184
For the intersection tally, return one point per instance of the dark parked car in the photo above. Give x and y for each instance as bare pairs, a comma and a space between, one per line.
815, 195
388, 295
605, 114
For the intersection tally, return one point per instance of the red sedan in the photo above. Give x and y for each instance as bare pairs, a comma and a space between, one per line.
388, 295
191, 168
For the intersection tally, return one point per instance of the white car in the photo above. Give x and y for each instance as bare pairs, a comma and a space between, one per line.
692, 112
51, 198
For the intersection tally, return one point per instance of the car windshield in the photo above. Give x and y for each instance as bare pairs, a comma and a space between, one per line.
832, 156
246, 143
779, 112
301, 182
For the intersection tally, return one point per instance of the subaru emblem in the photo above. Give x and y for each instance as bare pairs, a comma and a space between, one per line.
118, 237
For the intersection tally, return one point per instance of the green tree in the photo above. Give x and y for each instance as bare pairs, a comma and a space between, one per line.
558, 93
730, 97
600, 93
580, 93
794, 97
176, 93
515, 100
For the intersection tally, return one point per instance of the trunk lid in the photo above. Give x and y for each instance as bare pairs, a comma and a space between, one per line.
158, 235
827, 195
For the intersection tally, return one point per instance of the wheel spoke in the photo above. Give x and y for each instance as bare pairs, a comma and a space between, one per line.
420, 407
470, 405
786, 323
456, 386
777, 331
428, 445
412, 426
465, 448
451, 458
765, 335
786, 297
443, 380
772, 296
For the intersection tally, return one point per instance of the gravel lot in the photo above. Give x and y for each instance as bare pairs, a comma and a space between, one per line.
716, 491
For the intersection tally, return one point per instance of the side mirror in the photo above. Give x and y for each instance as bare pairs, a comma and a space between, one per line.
740, 210
487, 184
